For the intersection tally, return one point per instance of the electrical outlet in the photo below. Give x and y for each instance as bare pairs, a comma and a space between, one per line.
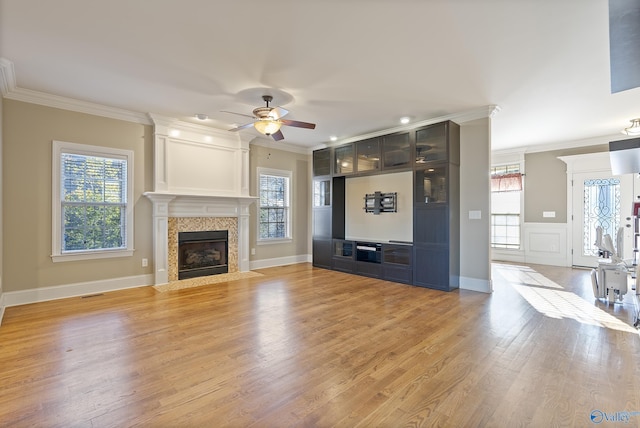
253, 251
145, 262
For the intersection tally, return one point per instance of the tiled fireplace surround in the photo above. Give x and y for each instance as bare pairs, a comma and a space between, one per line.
202, 224
201, 182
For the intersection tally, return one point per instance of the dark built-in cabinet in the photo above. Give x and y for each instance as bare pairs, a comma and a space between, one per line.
390, 261
433, 259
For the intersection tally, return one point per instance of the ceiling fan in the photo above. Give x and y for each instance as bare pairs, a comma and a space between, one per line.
268, 120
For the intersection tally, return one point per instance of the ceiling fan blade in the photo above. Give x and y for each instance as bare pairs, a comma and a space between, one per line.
239, 114
245, 126
278, 112
277, 135
298, 124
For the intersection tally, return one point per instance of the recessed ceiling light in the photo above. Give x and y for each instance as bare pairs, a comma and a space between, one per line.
201, 116
333, 138
404, 120
174, 133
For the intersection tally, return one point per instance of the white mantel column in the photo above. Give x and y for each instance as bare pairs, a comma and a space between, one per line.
243, 235
244, 165
160, 236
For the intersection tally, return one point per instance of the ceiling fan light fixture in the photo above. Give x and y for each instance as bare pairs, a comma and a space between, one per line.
267, 126
634, 129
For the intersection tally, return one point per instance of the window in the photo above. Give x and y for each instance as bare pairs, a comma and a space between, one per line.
506, 193
92, 210
274, 216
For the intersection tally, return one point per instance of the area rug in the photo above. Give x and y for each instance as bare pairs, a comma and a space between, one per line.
205, 280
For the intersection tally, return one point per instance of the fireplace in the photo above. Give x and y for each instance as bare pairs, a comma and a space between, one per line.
174, 214
202, 253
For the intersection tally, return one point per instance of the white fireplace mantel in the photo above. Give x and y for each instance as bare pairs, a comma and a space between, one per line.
181, 205
166, 205
198, 172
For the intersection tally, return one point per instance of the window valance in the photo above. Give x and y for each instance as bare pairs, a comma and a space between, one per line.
506, 182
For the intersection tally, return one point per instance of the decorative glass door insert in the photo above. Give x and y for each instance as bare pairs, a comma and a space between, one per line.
601, 208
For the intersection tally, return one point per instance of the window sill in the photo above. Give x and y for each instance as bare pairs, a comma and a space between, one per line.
90, 255
274, 241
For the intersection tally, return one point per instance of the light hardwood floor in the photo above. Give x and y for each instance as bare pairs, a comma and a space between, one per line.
301, 346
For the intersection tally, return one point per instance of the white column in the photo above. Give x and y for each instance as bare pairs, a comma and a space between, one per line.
244, 163
160, 236
243, 235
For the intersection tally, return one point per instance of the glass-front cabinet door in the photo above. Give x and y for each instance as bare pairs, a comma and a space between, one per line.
342, 248
344, 159
368, 154
396, 151
322, 162
431, 143
431, 185
397, 254
321, 193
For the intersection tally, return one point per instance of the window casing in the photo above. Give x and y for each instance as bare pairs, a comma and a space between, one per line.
506, 206
92, 209
274, 211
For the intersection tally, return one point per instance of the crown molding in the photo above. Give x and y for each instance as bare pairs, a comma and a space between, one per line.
466, 116
574, 144
173, 123
10, 90
279, 145
7, 77
318, 147
562, 145
64, 103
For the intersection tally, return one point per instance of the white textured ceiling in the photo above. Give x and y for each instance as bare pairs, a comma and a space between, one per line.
350, 66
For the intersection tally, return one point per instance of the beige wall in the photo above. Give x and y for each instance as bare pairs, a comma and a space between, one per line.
361, 225
28, 132
545, 183
475, 161
299, 165
1, 206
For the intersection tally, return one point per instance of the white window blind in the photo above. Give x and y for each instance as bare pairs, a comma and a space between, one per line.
94, 202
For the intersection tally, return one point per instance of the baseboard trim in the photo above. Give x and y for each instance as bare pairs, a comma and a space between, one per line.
504, 256
280, 261
2, 305
549, 261
474, 284
35, 295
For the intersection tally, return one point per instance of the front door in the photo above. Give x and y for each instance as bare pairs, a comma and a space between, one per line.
600, 199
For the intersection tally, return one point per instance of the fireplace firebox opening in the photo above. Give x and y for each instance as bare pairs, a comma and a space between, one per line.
202, 253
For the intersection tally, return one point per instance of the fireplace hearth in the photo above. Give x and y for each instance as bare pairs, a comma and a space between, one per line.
202, 253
